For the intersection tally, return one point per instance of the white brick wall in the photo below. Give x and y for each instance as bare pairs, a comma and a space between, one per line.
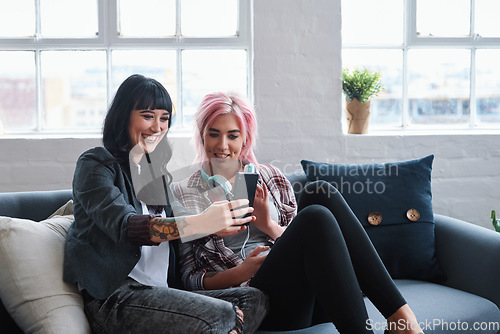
39, 164
297, 65
298, 96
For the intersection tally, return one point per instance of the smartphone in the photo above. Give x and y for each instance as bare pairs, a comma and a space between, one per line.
245, 185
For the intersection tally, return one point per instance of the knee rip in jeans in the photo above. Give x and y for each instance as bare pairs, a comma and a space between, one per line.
238, 329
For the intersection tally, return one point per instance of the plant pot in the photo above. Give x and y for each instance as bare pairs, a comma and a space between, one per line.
358, 116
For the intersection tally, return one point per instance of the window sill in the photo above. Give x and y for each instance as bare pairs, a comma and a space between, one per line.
51, 136
426, 132
174, 133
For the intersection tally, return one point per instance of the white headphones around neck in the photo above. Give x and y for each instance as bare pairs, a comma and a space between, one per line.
217, 180
221, 180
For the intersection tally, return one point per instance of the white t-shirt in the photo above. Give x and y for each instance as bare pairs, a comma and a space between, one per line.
152, 268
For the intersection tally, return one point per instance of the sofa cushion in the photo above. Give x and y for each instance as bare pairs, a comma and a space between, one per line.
326, 328
393, 202
41, 204
441, 309
31, 285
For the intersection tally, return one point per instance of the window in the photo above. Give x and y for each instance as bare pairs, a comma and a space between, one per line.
61, 61
438, 60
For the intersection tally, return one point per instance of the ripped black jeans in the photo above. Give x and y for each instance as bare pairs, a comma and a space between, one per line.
136, 308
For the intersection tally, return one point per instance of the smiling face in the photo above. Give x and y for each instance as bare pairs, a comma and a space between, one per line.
223, 142
147, 128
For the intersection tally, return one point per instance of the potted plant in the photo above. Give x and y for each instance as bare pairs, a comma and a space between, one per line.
359, 87
496, 222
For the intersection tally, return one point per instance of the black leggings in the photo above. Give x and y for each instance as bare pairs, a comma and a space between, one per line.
320, 267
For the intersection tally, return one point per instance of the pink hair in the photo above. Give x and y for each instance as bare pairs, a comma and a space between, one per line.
217, 104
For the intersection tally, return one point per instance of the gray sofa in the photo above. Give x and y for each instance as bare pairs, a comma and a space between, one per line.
467, 302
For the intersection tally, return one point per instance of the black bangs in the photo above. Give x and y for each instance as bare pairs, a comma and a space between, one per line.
152, 96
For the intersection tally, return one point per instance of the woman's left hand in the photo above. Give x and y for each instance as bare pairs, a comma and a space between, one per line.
262, 213
261, 208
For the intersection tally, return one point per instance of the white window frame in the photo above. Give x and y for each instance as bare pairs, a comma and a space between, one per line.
108, 39
472, 43
412, 41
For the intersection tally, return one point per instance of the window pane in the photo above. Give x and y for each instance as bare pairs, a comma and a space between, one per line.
202, 18
359, 17
438, 86
17, 90
73, 89
207, 71
487, 12
443, 18
147, 18
386, 108
17, 18
68, 18
159, 65
488, 86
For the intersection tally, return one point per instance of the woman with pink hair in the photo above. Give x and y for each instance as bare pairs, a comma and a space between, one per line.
220, 104
321, 261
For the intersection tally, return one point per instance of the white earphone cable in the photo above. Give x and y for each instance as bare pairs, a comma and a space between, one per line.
242, 251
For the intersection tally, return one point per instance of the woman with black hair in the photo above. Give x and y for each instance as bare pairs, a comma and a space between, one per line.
120, 248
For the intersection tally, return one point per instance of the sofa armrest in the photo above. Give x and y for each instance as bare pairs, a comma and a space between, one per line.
34, 205
468, 254
298, 180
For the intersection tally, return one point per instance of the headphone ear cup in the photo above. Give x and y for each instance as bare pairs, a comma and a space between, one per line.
222, 182
219, 179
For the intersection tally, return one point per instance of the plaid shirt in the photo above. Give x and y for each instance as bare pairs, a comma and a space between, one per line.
209, 253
